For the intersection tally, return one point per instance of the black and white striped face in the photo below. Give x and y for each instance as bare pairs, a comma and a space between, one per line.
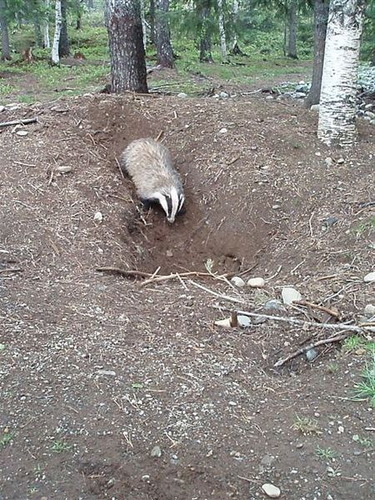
171, 203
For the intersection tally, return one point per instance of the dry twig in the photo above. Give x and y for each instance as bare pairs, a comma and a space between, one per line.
331, 312
25, 121
330, 340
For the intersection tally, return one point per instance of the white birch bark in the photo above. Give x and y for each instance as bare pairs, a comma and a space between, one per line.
223, 42
46, 38
56, 39
144, 24
338, 93
235, 8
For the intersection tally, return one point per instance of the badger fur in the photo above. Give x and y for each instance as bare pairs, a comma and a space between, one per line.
150, 166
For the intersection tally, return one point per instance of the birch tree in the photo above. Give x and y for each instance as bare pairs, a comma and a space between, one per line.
126, 50
338, 93
223, 41
56, 39
46, 38
5, 47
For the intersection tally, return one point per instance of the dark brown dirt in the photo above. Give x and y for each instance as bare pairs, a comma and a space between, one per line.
97, 370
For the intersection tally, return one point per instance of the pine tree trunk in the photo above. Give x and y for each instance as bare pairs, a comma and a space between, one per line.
162, 34
5, 46
321, 8
340, 69
205, 34
46, 39
293, 23
56, 39
223, 41
127, 54
64, 45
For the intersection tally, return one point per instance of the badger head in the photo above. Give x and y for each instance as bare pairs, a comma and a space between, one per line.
171, 202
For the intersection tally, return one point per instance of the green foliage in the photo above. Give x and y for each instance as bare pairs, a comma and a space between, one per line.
366, 388
325, 453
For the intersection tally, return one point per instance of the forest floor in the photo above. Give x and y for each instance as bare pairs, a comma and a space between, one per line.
111, 388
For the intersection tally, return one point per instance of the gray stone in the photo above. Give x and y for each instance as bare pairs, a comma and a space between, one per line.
369, 278
273, 305
289, 295
369, 310
243, 321
237, 281
311, 354
271, 490
156, 452
182, 95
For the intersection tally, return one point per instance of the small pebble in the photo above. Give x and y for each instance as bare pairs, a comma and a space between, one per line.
156, 452
182, 95
109, 373
223, 130
256, 282
22, 132
237, 281
289, 295
98, 217
369, 310
369, 278
271, 491
243, 321
311, 354
273, 304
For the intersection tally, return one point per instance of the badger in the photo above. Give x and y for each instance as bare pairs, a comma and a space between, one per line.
150, 166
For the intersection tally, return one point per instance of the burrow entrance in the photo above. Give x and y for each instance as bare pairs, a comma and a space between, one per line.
225, 225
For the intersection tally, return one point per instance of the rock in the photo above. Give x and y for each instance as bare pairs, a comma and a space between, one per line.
271, 491
273, 304
109, 373
256, 282
329, 161
330, 221
223, 95
2, 108
182, 95
63, 169
340, 161
289, 295
269, 97
237, 281
223, 130
98, 217
370, 114
369, 278
156, 452
315, 107
311, 354
243, 321
299, 95
369, 310
22, 133
369, 106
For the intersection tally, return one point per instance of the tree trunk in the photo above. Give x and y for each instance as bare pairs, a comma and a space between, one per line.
36, 18
340, 69
205, 33
64, 45
292, 23
5, 46
56, 39
321, 8
46, 39
152, 22
162, 34
144, 24
127, 53
223, 41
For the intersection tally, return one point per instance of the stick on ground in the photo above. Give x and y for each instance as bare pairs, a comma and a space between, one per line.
25, 121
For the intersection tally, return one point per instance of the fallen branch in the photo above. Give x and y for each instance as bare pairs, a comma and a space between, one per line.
294, 321
302, 350
180, 275
331, 312
14, 270
123, 272
224, 297
25, 121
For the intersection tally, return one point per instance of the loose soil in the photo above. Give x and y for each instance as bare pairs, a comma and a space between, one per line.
100, 375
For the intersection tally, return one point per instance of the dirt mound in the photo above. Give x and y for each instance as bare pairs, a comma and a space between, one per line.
97, 372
